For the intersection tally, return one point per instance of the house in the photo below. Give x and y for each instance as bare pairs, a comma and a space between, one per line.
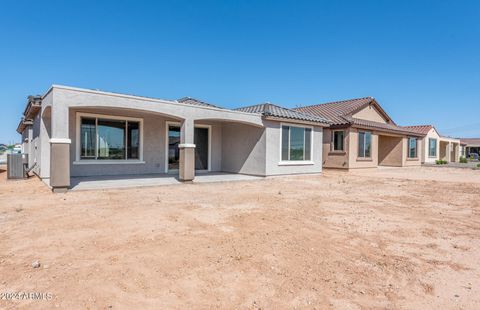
435, 146
472, 146
72, 132
363, 135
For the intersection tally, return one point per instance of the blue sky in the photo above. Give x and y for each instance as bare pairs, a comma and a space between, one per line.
419, 59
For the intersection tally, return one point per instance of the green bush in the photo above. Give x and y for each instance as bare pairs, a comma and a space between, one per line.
478, 165
463, 160
441, 162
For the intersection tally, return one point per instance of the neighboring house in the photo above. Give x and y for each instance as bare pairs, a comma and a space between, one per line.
72, 132
435, 146
362, 135
472, 146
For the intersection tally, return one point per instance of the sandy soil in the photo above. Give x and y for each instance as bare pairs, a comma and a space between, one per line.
386, 238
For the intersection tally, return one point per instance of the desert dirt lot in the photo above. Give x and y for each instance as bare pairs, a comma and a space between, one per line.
387, 238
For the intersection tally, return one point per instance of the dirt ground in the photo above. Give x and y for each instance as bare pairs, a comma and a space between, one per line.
386, 238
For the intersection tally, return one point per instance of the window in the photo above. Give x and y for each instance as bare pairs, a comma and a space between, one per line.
109, 138
365, 144
412, 147
432, 147
337, 140
296, 143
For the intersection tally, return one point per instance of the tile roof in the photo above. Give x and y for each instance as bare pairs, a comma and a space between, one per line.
272, 110
470, 141
383, 127
422, 129
193, 101
341, 112
336, 111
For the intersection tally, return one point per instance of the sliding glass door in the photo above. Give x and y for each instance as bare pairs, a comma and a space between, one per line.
201, 140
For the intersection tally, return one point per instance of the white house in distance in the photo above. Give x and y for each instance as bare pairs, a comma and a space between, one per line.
437, 147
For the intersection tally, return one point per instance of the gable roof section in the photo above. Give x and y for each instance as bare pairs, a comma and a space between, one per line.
193, 101
341, 113
338, 111
275, 111
421, 129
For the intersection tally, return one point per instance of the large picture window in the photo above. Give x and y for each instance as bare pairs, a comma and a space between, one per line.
337, 140
432, 147
365, 144
296, 143
412, 147
103, 138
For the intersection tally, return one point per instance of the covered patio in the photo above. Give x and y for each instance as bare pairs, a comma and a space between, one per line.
142, 180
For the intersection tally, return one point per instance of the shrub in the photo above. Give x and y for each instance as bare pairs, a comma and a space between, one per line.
463, 160
441, 162
478, 165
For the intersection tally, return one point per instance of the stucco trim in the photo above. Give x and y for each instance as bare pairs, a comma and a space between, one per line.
60, 141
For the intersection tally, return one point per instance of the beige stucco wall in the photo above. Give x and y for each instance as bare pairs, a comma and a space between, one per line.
412, 161
390, 151
353, 159
432, 134
335, 159
370, 114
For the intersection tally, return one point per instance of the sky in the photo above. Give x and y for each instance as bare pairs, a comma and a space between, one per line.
419, 59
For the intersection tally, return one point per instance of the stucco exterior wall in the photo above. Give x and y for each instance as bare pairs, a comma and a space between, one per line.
243, 149
390, 151
353, 159
154, 145
432, 134
370, 114
45, 135
412, 161
273, 151
335, 159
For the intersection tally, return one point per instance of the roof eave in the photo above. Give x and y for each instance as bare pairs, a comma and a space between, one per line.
297, 121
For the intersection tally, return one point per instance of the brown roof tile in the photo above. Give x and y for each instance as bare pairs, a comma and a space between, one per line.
336, 111
422, 129
470, 141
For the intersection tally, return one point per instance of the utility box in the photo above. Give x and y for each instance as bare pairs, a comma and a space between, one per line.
17, 166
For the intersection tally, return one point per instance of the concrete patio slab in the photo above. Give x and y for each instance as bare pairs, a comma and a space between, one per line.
128, 181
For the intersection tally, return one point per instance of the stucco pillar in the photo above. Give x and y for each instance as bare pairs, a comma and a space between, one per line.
60, 149
187, 151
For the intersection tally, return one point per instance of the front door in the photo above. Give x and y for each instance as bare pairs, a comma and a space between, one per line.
201, 139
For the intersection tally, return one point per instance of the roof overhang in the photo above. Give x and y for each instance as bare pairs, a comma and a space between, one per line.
34, 104
295, 121
24, 123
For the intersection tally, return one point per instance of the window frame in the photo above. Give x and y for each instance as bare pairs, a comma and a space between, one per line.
416, 148
332, 143
364, 157
296, 162
80, 161
436, 147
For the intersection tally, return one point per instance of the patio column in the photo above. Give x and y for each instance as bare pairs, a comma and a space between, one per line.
187, 151
59, 149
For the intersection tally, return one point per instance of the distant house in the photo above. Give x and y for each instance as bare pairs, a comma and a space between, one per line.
472, 146
363, 135
437, 147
